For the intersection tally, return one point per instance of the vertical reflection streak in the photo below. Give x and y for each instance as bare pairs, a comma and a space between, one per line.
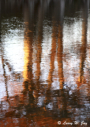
5, 77
83, 50
59, 57
28, 40
27, 55
62, 101
52, 55
84, 43
39, 46
60, 44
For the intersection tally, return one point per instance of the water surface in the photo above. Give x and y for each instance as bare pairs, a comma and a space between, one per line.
44, 63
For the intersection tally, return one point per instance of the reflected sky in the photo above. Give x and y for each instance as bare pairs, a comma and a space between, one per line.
13, 43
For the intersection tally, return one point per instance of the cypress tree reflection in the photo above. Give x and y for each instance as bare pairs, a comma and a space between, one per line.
52, 55
60, 44
28, 50
39, 47
84, 41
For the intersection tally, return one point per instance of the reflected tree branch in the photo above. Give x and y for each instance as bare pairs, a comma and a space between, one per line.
5, 76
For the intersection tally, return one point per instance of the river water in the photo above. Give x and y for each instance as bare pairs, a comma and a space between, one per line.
44, 63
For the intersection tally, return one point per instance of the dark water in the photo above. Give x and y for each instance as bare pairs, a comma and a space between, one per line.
44, 63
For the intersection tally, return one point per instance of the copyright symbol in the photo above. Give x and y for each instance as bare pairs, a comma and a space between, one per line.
59, 122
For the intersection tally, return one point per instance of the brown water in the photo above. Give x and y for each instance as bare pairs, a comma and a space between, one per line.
44, 63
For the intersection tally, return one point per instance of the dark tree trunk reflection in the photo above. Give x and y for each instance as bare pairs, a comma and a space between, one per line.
84, 41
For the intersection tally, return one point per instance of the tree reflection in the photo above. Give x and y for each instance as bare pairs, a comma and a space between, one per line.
5, 77
39, 46
60, 45
52, 55
28, 50
84, 41
60, 57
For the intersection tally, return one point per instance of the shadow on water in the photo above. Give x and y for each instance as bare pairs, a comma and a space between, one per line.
54, 83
